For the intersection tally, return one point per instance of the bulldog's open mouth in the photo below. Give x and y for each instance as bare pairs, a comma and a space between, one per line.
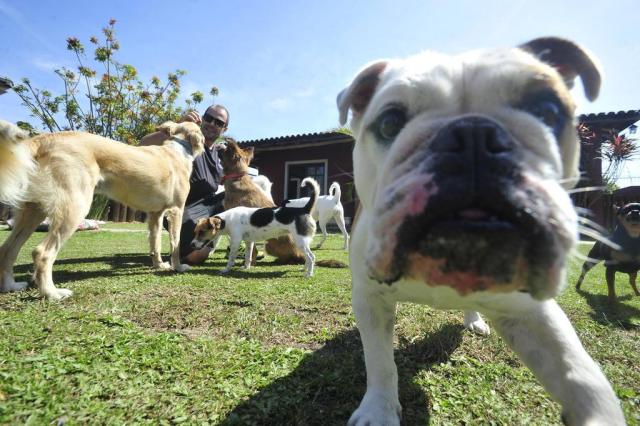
491, 245
474, 249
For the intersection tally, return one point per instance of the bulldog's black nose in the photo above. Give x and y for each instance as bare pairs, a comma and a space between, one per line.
475, 147
473, 135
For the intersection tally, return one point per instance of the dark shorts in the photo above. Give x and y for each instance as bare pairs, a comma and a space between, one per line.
194, 211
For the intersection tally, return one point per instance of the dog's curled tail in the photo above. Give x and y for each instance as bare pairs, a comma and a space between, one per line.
315, 191
334, 191
16, 164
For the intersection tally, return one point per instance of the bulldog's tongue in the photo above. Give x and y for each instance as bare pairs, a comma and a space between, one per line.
473, 214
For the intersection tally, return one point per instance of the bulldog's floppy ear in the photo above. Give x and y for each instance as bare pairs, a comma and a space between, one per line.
570, 60
168, 128
357, 96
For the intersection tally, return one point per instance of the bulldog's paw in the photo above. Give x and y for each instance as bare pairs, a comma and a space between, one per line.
225, 271
474, 322
58, 294
376, 409
585, 418
182, 267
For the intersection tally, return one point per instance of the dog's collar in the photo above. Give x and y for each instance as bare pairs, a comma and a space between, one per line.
232, 176
188, 149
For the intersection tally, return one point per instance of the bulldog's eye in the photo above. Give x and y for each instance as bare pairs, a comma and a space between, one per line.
549, 111
390, 123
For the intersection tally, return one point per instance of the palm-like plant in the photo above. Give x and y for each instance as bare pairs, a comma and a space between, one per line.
616, 150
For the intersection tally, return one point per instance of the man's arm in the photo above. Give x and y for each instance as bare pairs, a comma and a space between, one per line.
158, 138
155, 138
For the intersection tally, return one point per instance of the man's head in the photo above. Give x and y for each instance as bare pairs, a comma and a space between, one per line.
215, 122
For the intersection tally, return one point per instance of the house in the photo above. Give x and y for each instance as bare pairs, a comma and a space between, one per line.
286, 160
327, 156
599, 128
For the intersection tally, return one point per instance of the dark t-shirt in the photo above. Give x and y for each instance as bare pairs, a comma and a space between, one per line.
206, 174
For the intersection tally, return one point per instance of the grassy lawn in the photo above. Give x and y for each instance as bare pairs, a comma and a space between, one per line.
266, 346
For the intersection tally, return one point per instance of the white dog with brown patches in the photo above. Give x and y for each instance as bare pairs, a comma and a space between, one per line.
462, 165
251, 224
55, 176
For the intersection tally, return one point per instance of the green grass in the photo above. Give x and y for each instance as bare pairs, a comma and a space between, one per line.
265, 346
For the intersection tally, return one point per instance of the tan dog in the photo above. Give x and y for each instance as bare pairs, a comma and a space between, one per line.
462, 163
240, 190
55, 175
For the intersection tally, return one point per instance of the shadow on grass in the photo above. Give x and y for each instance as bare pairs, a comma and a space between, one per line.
328, 384
121, 265
616, 314
138, 264
238, 272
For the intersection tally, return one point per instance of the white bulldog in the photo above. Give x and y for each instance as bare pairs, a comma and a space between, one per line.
462, 164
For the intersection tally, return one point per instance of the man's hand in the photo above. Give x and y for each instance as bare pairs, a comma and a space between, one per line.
192, 116
5, 85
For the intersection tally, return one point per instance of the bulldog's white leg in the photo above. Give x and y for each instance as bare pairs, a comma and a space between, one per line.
474, 322
549, 346
375, 317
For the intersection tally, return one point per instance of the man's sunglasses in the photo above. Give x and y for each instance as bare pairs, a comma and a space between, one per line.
207, 118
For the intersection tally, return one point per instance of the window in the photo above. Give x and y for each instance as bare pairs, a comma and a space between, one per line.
297, 170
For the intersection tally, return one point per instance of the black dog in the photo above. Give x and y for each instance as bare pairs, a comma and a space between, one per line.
626, 259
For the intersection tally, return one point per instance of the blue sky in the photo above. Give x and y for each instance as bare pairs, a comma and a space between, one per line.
279, 65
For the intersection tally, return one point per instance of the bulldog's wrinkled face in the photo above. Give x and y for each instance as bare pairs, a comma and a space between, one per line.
629, 217
462, 164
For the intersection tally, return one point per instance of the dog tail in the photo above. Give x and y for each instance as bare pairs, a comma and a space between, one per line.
334, 191
313, 198
16, 164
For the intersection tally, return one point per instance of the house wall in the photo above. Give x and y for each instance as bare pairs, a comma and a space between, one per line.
271, 163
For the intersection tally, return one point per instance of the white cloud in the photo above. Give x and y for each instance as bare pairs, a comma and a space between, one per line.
284, 102
279, 104
305, 93
47, 64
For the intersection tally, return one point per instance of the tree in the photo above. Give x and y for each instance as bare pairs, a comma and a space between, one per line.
616, 149
108, 98
105, 96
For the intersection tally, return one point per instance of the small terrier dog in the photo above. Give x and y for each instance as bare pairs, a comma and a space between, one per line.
625, 257
250, 224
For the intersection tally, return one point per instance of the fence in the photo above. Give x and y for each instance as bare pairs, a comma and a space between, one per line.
601, 206
115, 212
